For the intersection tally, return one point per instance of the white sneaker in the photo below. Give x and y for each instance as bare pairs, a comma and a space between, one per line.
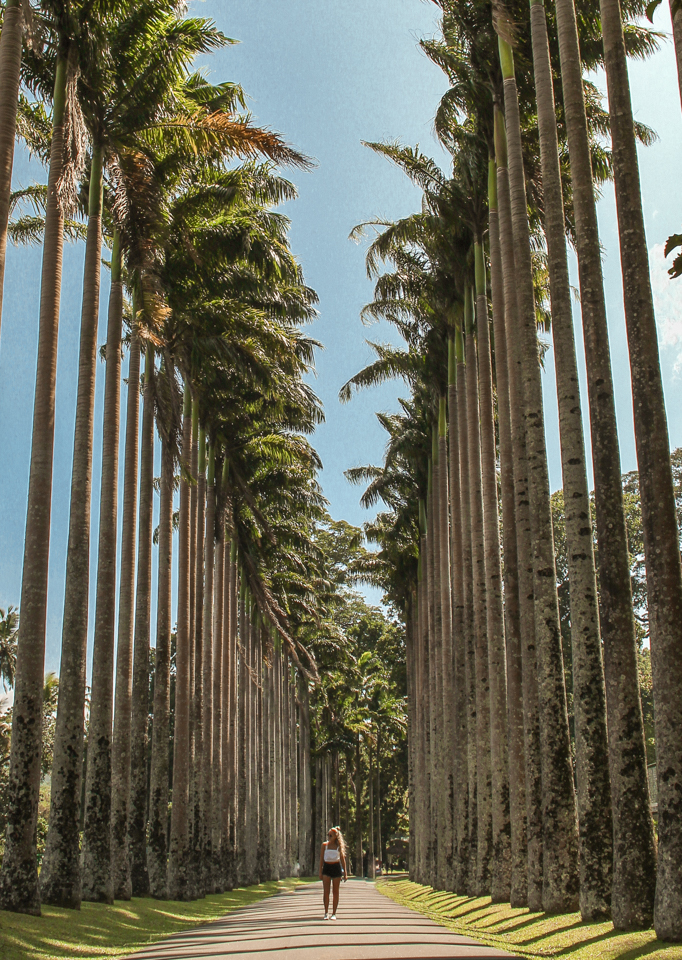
333, 916
326, 916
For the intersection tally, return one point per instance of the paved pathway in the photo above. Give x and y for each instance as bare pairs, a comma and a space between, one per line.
289, 926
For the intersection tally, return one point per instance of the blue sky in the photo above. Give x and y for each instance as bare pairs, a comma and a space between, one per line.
327, 76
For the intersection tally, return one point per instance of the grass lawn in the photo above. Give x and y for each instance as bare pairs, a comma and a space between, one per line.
527, 934
97, 930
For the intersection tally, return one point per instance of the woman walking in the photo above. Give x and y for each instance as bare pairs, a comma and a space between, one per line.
332, 868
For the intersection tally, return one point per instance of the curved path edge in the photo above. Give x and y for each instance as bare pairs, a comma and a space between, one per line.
290, 926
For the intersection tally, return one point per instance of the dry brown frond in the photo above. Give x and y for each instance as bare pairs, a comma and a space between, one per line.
75, 140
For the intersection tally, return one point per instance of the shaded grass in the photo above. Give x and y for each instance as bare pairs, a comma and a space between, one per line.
98, 930
527, 934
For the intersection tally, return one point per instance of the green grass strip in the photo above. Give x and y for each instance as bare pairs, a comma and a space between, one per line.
98, 930
527, 934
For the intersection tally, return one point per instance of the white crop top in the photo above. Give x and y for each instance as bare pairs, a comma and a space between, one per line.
331, 856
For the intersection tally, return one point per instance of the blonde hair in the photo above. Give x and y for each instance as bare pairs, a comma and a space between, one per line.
339, 839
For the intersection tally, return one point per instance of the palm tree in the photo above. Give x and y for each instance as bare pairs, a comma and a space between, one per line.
206, 823
633, 843
483, 756
137, 809
518, 892
178, 859
499, 755
158, 788
661, 547
533, 784
121, 744
461, 805
592, 773
19, 877
560, 876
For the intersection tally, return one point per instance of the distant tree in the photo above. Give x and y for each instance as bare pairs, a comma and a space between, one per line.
9, 629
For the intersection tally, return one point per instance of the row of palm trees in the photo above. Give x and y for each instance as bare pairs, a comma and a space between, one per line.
499, 803
182, 189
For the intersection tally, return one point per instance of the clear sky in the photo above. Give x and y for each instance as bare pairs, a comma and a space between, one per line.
327, 76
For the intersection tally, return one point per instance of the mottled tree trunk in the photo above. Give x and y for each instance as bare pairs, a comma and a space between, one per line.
410, 632
121, 746
19, 877
218, 628
158, 788
137, 811
659, 521
518, 893
206, 800
197, 849
480, 603
531, 726
359, 872
225, 791
460, 733
97, 876
439, 751
61, 875
447, 653
634, 852
193, 509
499, 754
178, 853
593, 786
10, 69
242, 771
468, 633
559, 825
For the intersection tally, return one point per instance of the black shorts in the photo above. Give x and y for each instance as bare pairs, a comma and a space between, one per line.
332, 870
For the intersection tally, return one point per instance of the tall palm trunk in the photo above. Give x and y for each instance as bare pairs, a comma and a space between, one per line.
589, 696
61, 883
121, 746
518, 891
480, 601
196, 853
194, 471
19, 876
265, 833
178, 853
371, 863
447, 651
524, 540
499, 752
359, 871
231, 873
634, 851
225, 789
242, 771
137, 813
425, 706
293, 778
97, 876
460, 732
438, 754
305, 851
218, 628
10, 68
559, 825
410, 634
434, 745
158, 788
207, 681
468, 620
659, 521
